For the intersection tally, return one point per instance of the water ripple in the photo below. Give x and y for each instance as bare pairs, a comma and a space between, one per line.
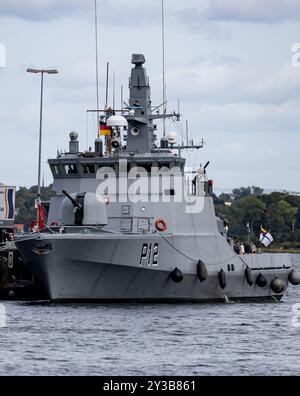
187, 339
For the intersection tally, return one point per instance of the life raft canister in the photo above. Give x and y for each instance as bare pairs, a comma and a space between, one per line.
161, 225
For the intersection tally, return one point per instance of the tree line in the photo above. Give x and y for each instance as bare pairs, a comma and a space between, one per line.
247, 208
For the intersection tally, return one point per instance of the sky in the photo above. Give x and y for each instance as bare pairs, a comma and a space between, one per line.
233, 64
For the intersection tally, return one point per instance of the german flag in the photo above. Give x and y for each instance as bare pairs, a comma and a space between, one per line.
105, 130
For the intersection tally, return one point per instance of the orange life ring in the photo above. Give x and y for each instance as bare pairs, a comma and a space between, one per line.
161, 225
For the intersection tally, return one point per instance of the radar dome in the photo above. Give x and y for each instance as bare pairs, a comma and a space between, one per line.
172, 137
73, 136
117, 121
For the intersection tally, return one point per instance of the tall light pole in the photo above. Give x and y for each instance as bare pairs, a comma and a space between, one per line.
41, 72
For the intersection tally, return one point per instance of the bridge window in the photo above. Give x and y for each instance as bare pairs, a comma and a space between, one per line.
55, 170
89, 169
71, 169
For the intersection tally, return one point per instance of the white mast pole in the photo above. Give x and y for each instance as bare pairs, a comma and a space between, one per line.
97, 64
164, 66
114, 90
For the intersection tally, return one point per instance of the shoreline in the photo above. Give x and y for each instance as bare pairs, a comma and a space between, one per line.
281, 250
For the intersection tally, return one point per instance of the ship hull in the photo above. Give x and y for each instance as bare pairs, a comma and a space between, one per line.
83, 268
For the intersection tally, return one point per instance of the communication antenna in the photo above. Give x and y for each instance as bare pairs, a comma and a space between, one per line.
164, 66
187, 133
97, 61
107, 82
114, 90
122, 97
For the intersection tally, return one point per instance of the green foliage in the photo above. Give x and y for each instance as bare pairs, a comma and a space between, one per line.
25, 199
244, 192
278, 212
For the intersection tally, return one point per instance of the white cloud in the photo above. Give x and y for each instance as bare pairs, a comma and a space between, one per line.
123, 12
254, 11
228, 81
245, 117
41, 9
235, 104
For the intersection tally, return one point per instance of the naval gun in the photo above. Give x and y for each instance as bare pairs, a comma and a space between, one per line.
78, 205
84, 209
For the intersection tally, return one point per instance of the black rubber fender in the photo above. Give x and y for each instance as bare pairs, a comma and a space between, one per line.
278, 286
222, 279
201, 271
176, 275
261, 280
249, 276
294, 278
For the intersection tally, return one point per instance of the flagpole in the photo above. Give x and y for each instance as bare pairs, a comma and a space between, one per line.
38, 203
97, 64
164, 65
259, 248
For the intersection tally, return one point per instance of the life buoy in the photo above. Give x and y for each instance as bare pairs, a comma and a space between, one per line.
161, 225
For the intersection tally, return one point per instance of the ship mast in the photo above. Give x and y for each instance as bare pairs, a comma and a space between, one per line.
97, 64
164, 67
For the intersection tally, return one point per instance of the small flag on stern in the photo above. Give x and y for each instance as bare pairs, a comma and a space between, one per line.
105, 130
265, 237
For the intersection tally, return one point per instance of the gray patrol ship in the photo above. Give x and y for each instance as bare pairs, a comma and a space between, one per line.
128, 223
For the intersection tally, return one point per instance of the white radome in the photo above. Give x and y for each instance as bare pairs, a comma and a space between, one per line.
117, 121
172, 137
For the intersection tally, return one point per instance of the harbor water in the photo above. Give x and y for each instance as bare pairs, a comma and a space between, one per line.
138, 339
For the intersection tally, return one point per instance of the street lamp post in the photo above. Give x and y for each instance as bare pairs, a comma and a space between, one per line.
42, 72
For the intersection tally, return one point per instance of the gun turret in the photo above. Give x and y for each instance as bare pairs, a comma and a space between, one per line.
74, 202
78, 204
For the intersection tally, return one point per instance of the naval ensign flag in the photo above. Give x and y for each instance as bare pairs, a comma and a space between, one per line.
265, 237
